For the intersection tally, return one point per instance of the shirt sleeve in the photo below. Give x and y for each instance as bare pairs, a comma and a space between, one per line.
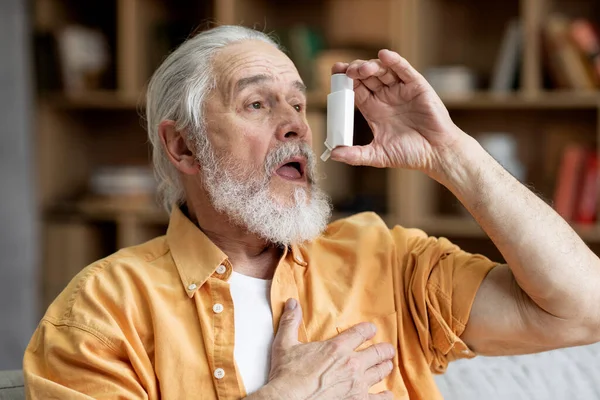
439, 282
67, 362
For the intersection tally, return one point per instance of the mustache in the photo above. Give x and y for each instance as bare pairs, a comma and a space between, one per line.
288, 150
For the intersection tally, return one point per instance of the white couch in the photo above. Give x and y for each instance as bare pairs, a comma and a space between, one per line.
566, 374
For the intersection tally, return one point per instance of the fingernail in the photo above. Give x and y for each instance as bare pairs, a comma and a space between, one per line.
290, 304
390, 365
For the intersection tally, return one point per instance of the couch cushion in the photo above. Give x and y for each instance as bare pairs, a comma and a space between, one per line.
566, 374
11, 385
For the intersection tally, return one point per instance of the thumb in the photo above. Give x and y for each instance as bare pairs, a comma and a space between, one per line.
354, 155
289, 323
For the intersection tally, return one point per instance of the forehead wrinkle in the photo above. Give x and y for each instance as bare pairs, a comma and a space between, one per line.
227, 81
243, 83
262, 67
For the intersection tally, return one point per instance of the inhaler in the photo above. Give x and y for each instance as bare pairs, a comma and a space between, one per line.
340, 114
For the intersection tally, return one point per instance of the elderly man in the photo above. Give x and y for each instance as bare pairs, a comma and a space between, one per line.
251, 294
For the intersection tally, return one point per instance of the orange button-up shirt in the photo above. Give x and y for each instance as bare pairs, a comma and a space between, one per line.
140, 324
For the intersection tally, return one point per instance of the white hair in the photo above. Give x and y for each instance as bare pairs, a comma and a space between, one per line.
177, 91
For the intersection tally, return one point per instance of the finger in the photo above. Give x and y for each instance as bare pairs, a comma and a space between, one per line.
287, 334
352, 70
355, 155
387, 395
361, 92
368, 73
376, 354
400, 66
339, 68
375, 75
356, 335
378, 372
373, 83
389, 78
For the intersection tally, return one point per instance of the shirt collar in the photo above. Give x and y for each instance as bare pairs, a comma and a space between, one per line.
196, 256
296, 251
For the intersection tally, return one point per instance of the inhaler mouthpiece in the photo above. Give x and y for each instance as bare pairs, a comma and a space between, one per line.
340, 114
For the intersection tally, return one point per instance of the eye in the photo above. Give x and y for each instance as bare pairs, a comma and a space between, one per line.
257, 105
298, 107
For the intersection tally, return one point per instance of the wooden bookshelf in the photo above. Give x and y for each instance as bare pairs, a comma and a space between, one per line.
78, 132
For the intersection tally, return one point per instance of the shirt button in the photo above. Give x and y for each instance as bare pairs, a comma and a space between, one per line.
219, 373
221, 269
192, 286
218, 308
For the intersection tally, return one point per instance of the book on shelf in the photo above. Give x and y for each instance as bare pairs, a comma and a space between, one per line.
506, 67
567, 64
590, 185
587, 40
577, 185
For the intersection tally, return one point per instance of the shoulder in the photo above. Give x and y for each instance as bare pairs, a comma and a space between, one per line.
359, 239
370, 223
370, 229
112, 287
355, 225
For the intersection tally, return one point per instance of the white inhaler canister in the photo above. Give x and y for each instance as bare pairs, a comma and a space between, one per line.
340, 114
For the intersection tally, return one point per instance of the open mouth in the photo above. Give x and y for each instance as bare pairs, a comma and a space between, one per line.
292, 169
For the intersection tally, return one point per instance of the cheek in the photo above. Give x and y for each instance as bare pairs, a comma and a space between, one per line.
248, 150
309, 135
245, 138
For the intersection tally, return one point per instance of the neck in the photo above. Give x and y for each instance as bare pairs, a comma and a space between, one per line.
249, 254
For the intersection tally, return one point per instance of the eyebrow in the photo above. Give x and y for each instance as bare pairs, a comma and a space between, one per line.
257, 79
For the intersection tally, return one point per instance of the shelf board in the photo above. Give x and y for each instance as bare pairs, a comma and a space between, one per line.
490, 101
543, 100
114, 209
96, 100
467, 227
113, 100
451, 226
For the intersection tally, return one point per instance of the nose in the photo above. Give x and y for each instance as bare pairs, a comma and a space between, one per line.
292, 126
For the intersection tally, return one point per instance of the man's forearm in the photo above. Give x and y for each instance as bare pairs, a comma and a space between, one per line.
550, 262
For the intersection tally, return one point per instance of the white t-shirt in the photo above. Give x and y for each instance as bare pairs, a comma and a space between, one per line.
253, 329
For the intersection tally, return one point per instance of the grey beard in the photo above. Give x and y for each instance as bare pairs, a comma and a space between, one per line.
243, 195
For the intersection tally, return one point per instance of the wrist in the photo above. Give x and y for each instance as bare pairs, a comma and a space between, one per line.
459, 164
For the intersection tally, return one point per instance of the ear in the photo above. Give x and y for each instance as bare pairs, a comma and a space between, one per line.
176, 148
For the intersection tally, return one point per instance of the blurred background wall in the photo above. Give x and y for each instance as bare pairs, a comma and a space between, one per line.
19, 245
